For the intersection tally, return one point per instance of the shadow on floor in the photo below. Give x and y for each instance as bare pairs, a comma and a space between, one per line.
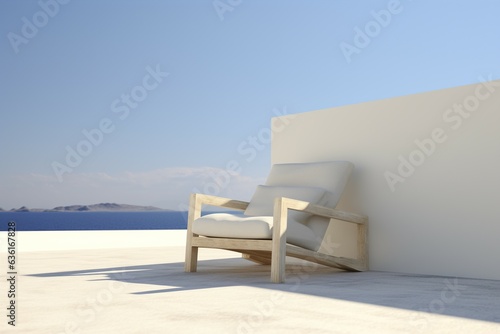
460, 297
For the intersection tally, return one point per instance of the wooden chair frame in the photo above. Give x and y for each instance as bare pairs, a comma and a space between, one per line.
274, 251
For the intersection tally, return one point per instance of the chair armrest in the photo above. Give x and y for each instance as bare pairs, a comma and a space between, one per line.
322, 211
281, 207
282, 204
201, 199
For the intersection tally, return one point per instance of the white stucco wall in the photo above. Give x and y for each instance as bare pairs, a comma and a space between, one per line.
427, 175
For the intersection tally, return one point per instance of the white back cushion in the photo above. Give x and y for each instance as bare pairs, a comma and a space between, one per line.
329, 175
262, 203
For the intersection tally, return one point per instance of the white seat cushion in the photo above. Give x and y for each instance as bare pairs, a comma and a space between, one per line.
227, 225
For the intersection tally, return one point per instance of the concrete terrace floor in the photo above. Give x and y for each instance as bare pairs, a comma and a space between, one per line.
145, 290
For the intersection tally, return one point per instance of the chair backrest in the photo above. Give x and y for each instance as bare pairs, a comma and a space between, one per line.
329, 175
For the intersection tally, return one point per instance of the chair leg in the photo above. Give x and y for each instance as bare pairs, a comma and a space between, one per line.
363, 246
278, 256
191, 263
278, 268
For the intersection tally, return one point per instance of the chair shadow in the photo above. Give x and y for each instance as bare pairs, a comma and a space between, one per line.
459, 297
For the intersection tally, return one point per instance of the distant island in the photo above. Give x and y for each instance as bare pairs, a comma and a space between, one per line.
92, 207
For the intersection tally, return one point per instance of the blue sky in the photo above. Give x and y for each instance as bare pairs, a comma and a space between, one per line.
172, 94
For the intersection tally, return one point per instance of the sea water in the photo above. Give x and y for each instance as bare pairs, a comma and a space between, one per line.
71, 221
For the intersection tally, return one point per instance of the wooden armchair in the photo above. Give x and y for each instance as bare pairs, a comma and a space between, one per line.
267, 233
